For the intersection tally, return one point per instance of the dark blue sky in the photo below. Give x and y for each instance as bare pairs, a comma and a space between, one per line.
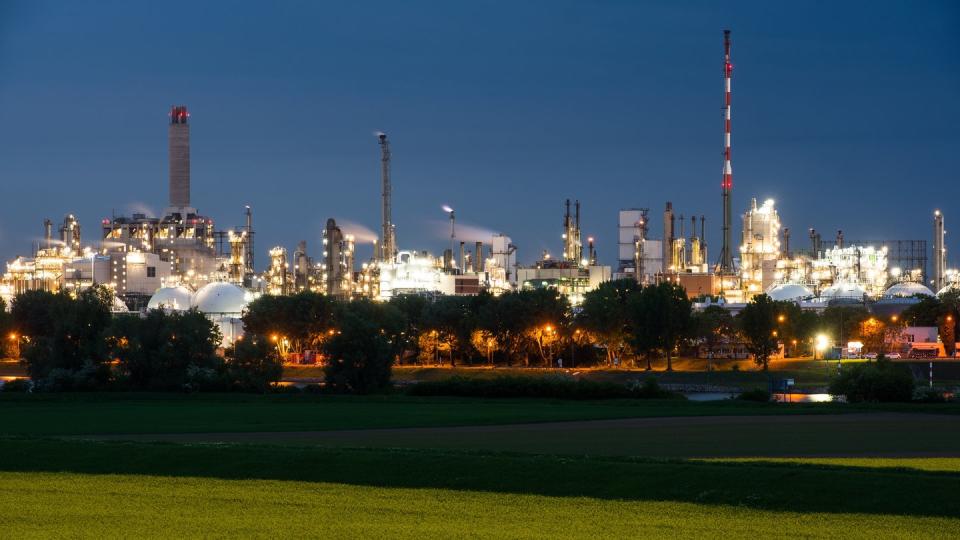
846, 113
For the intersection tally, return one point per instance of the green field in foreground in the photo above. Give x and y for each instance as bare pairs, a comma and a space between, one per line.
795, 487
482, 481
65, 414
77, 505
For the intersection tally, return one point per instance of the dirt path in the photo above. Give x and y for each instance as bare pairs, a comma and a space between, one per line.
854, 435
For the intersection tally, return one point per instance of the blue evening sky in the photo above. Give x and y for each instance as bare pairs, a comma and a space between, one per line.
846, 113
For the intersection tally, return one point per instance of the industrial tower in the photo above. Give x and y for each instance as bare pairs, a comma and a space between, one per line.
388, 242
726, 253
939, 253
572, 243
179, 157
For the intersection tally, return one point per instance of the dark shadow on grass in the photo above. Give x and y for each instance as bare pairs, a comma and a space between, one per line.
771, 486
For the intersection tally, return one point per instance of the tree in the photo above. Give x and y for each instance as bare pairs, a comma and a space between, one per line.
713, 326
605, 315
360, 352
505, 319
660, 317
8, 332
674, 310
950, 301
253, 364
643, 332
757, 322
844, 321
412, 307
447, 321
63, 336
926, 312
548, 317
167, 351
304, 319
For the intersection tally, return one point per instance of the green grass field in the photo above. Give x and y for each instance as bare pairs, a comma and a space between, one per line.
144, 506
61, 414
759, 470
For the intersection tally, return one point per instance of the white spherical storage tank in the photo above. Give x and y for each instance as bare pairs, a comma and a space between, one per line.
223, 303
220, 298
790, 292
175, 298
907, 289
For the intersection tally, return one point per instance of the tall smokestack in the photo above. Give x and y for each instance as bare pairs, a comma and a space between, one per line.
478, 258
703, 240
249, 229
667, 244
179, 157
47, 234
786, 242
726, 255
939, 252
839, 239
388, 242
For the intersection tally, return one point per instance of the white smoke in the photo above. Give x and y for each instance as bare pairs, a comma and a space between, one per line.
447, 208
54, 241
464, 231
361, 233
141, 208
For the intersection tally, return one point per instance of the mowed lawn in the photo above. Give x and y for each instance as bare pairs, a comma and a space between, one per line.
106, 506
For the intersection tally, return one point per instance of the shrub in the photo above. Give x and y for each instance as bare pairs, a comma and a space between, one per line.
757, 394
254, 364
929, 395
650, 389
89, 377
881, 381
556, 387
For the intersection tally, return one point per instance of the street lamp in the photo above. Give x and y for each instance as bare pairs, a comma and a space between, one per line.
16, 340
821, 344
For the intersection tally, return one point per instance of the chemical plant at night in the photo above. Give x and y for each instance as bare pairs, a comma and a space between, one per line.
181, 259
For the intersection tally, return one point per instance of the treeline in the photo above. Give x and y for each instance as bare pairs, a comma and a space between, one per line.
619, 323
75, 344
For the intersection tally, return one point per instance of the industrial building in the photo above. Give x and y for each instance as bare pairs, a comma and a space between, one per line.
574, 274
164, 261
638, 256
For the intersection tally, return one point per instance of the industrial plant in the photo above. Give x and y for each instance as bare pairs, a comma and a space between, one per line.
181, 260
